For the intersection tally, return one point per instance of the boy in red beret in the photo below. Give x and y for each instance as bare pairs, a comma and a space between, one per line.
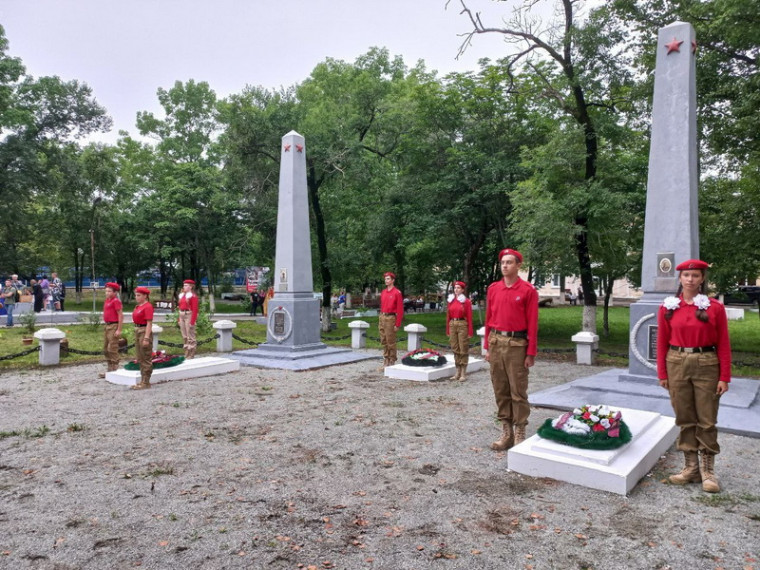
391, 314
512, 333
142, 317
113, 315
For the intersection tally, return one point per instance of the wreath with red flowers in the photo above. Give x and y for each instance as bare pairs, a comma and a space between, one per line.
160, 360
423, 357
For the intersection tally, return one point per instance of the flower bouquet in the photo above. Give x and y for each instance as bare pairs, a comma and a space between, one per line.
160, 360
423, 357
588, 427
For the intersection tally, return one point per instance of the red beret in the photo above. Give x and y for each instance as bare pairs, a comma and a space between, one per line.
190, 281
143, 290
508, 251
114, 286
461, 284
389, 274
692, 264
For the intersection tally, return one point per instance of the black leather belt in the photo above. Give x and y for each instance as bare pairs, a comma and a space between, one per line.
112, 322
387, 314
141, 326
514, 334
689, 349
454, 319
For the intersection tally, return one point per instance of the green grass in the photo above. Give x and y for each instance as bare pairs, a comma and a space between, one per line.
556, 326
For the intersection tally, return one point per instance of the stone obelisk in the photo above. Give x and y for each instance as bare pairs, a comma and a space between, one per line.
671, 226
293, 319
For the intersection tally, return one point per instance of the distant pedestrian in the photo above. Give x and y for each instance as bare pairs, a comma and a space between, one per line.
459, 329
694, 365
188, 315
142, 317
9, 300
255, 302
37, 296
113, 316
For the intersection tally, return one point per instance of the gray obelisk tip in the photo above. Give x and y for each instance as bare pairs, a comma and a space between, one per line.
671, 228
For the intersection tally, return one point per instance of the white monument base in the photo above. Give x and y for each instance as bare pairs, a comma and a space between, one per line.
428, 373
617, 470
193, 368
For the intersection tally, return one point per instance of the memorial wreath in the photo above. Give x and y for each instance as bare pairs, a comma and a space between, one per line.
160, 360
423, 357
588, 427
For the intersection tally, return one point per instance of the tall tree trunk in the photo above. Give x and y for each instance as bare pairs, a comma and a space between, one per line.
319, 225
609, 283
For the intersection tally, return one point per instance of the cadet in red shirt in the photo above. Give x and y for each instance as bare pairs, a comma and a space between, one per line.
188, 315
459, 328
512, 333
142, 317
391, 314
113, 315
694, 365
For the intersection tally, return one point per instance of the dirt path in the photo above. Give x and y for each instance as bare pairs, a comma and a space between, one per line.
336, 468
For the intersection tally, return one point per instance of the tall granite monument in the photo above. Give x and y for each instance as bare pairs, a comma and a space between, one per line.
671, 229
293, 331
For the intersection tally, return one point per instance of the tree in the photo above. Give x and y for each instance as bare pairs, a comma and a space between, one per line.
575, 67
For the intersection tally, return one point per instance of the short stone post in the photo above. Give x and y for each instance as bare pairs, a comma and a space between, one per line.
483, 340
156, 332
224, 342
415, 332
50, 346
358, 338
585, 342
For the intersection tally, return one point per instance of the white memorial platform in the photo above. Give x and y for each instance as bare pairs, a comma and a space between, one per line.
428, 373
193, 368
617, 470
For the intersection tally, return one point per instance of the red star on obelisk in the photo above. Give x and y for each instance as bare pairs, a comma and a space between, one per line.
287, 148
675, 45
693, 46
299, 147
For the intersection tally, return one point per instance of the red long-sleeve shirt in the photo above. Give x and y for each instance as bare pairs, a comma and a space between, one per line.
189, 302
459, 310
392, 302
686, 330
513, 308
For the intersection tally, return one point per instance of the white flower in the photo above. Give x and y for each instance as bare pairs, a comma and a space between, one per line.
605, 423
461, 298
671, 303
451, 297
594, 418
577, 411
702, 302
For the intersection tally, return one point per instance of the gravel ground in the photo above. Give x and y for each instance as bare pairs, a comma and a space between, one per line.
335, 468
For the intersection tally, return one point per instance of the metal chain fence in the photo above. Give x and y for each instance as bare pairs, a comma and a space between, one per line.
245, 341
20, 354
336, 337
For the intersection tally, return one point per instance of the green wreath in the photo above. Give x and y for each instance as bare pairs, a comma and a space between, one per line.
158, 362
423, 357
595, 440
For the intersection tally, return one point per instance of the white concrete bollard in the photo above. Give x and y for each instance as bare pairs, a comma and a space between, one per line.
483, 340
156, 332
415, 332
50, 346
224, 342
358, 338
585, 343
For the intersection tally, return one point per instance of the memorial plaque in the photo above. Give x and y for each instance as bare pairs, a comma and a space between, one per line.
652, 343
666, 265
279, 323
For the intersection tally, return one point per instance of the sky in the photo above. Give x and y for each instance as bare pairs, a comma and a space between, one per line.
126, 49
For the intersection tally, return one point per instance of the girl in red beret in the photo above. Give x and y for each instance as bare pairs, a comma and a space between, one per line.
188, 315
459, 329
142, 317
694, 365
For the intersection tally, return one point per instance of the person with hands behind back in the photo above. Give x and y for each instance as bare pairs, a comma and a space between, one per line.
142, 317
459, 328
694, 365
512, 333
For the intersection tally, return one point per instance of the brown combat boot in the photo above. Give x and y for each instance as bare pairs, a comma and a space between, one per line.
519, 434
710, 482
457, 373
690, 471
463, 373
507, 438
382, 368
